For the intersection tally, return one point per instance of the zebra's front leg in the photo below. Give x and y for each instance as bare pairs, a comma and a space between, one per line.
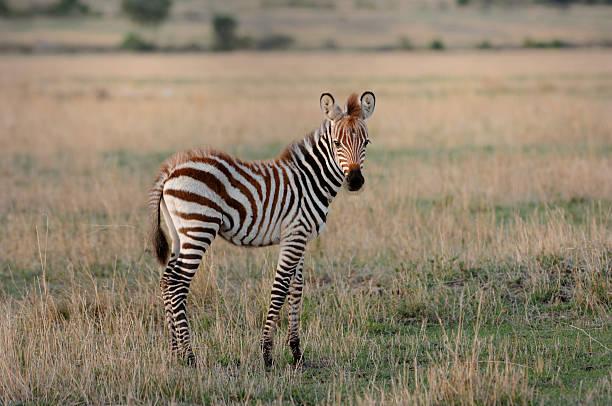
290, 256
295, 307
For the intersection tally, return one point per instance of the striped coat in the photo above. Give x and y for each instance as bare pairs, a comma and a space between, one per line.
202, 194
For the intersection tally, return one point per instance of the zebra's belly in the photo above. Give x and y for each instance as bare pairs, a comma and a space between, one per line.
262, 237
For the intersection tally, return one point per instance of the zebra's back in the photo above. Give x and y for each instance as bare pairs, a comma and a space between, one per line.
250, 201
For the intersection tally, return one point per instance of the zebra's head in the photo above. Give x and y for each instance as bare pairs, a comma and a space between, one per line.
349, 134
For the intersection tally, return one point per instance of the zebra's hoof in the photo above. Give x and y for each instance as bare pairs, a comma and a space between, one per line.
268, 365
189, 360
295, 351
298, 361
266, 352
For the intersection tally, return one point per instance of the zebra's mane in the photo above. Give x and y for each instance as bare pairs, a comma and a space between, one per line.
295, 148
300, 145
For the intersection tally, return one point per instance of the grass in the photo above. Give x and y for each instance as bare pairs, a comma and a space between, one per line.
473, 269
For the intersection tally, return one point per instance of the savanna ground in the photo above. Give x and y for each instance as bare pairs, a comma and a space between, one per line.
473, 268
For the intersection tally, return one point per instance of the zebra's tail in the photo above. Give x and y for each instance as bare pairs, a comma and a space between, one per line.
157, 236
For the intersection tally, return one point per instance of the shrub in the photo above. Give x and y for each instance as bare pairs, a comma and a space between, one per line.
405, 44
59, 8
224, 32
437, 45
147, 11
330, 43
4, 8
66, 7
555, 43
134, 42
275, 41
484, 45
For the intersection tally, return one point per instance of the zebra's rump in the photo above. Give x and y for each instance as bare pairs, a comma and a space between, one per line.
249, 200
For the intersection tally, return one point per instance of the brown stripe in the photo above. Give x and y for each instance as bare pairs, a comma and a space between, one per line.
236, 164
197, 216
189, 246
193, 198
215, 185
186, 230
242, 187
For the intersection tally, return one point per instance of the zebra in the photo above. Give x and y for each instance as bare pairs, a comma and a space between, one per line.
203, 193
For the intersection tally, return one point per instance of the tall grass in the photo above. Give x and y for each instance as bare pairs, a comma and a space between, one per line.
473, 269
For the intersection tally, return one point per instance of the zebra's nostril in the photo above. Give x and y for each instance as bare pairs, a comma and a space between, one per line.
355, 179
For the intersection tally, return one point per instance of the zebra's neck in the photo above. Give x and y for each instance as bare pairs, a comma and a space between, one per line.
314, 158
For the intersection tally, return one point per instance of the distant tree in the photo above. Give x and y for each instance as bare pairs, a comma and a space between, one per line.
134, 42
561, 3
66, 7
224, 31
4, 8
147, 11
486, 44
437, 45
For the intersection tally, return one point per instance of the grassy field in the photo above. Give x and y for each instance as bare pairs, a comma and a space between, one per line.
475, 267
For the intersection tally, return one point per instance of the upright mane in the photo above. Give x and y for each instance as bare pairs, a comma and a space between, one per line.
353, 107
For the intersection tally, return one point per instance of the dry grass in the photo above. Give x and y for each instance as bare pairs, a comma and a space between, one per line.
481, 273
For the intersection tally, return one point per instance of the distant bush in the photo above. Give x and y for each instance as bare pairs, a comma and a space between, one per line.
224, 32
437, 45
275, 42
316, 4
60, 8
484, 45
66, 7
518, 3
134, 42
405, 44
555, 43
4, 8
147, 11
560, 3
330, 44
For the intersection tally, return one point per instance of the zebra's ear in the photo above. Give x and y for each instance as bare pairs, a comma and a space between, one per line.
329, 107
368, 102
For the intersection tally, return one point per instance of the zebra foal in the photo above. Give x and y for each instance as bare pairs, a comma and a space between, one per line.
205, 193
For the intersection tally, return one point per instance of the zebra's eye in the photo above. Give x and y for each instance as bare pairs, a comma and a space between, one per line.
337, 143
367, 142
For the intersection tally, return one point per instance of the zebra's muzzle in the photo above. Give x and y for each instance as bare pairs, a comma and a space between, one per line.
355, 180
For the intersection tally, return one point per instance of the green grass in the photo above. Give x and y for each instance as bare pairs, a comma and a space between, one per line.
563, 346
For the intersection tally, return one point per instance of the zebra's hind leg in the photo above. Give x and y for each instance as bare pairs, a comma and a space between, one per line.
167, 274
178, 284
295, 307
291, 252
166, 297
193, 247
196, 232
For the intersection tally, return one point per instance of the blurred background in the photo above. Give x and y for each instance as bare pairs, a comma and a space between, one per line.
201, 25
